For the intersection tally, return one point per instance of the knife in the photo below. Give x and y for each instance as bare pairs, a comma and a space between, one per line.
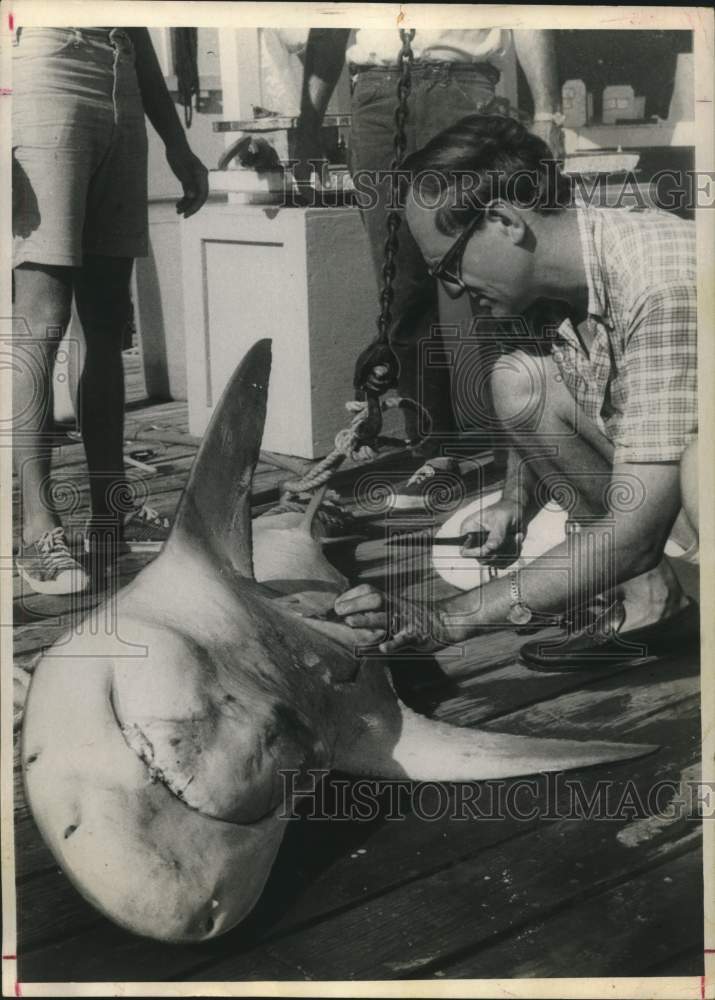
471, 539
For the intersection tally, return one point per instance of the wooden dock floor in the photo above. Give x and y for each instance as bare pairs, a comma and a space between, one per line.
514, 883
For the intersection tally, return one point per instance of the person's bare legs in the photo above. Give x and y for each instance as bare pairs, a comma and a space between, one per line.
43, 300
103, 306
566, 451
689, 485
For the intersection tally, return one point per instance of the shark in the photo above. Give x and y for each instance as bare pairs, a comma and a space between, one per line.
152, 752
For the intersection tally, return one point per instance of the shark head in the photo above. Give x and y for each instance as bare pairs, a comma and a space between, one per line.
153, 757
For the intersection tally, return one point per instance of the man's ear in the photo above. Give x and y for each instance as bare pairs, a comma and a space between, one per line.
504, 214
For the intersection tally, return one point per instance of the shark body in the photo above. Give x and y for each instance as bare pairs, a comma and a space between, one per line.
152, 755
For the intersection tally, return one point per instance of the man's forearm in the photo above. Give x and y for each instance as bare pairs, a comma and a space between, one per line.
158, 105
520, 488
518, 482
324, 61
536, 52
574, 572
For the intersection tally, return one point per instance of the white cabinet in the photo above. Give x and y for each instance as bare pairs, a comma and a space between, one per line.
302, 277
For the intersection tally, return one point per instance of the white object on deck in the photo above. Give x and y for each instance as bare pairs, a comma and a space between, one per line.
547, 529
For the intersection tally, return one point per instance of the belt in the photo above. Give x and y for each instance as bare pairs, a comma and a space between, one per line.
431, 67
90, 34
102, 34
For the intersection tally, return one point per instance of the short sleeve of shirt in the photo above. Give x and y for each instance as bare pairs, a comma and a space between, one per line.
660, 415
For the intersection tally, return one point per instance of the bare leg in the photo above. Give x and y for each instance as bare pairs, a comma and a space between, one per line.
43, 299
689, 484
102, 297
567, 453
549, 430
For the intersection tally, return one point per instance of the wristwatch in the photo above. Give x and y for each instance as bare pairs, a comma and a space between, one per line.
550, 116
519, 613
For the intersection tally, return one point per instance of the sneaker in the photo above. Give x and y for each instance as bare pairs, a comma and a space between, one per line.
48, 566
143, 530
434, 488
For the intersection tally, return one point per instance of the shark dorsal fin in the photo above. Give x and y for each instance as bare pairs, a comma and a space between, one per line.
215, 509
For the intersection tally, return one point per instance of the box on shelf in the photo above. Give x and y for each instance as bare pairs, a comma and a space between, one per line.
577, 104
620, 103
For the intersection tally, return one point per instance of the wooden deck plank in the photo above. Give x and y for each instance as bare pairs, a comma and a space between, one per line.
418, 926
644, 921
614, 693
679, 965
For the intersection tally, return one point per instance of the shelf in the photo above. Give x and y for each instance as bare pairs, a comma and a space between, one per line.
593, 137
276, 123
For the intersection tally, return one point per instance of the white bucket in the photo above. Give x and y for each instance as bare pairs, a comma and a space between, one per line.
547, 529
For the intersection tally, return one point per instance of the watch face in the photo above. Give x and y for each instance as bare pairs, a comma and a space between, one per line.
519, 615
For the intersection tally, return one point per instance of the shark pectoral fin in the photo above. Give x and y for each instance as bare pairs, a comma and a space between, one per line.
422, 749
215, 509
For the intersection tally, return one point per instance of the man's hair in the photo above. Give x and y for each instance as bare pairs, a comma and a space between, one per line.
479, 159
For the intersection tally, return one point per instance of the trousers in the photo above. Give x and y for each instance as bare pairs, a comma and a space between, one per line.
442, 93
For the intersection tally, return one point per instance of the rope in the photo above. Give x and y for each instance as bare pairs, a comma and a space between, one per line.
357, 441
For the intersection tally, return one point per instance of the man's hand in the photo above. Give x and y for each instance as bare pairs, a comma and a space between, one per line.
161, 112
395, 624
503, 523
192, 175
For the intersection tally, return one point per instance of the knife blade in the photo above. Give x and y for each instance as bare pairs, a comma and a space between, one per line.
472, 539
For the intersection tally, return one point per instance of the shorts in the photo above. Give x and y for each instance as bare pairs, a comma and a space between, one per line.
79, 147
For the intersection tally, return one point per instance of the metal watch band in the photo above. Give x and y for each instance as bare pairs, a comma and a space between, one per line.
519, 613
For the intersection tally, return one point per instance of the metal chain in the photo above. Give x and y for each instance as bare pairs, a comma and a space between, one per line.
377, 367
404, 85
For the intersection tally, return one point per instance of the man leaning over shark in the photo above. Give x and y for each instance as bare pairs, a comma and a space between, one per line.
604, 409
152, 753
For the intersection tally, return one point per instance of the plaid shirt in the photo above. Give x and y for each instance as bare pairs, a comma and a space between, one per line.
638, 380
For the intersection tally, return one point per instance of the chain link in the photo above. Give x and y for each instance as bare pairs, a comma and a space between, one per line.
404, 85
377, 368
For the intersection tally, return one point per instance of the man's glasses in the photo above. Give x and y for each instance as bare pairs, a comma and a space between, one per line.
449, 269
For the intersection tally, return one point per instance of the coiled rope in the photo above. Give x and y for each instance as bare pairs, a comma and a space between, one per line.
358, 441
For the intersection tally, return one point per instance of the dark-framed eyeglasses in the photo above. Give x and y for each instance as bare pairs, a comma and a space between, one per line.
449, 269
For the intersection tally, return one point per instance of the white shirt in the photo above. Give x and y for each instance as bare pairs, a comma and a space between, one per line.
381, 47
